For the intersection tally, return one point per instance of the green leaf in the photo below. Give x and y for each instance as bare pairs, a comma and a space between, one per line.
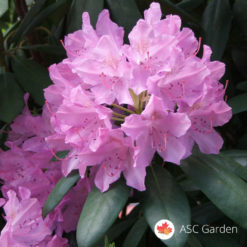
189, 5
49, 49
239, 56
99, 212
124, 13
239, 156
32, 76
188, 185
38, 17
107, 243
59, 191
242, 86
4, 5
223, 188
60, 155
11, 98
206, 213
164, 199
93, 7
228, 163
238, 103
169, 7
218, 240
240, 10
136, 233
28, 19
216, 22
120, 227
193, 241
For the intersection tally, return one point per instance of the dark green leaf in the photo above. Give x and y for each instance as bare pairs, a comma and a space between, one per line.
99, 212
124, 13
240, 10
164, 199
11, 98
38, 18
59, 191
239, 56
193, 241
136, 233
188, 185
119, 228
93, 7
218, 240
238, 103
60, 155
107, 243
32, 77
238, 155
189, 5
49, 49
3, 6
171, 8
206, 213
28, 19
242, 85
216, 22
223, 188
229, 164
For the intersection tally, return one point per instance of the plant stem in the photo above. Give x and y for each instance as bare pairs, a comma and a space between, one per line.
118, 115
123, 108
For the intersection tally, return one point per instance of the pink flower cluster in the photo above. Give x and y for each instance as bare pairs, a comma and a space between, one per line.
29, 174
116, 104
112, 106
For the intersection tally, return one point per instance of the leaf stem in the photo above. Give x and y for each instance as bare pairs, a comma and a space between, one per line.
123, 108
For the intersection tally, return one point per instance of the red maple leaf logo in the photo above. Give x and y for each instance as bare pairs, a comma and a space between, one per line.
164, 229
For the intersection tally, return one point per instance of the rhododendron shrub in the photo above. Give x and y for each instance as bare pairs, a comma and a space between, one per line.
123, 121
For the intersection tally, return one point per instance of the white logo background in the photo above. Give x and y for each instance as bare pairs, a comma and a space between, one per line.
161, 235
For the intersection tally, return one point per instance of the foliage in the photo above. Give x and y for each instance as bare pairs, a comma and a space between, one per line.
205, 189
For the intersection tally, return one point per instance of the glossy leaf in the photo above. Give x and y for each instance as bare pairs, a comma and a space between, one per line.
11, 98
99, 212
228, 163
207, 213
218, 240
49, 49
239, 56
242, 86
238, 155
93, 7
164, 199
238, 103
193, 241
32, 77
59, 191
124, 13
3, 6
190, 4
240, 10
169, 7
38, 18
29, 17
120, 227
223, 188
216, 22
136, 233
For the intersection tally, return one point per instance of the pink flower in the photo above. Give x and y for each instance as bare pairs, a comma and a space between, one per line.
157, 129
25, 225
